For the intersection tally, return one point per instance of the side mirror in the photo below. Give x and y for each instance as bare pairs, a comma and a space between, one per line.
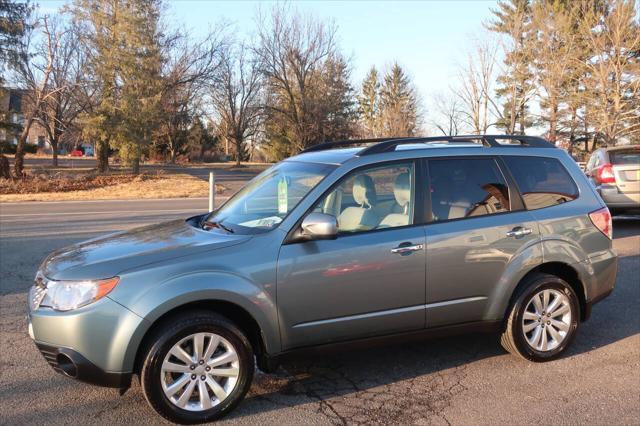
319, 226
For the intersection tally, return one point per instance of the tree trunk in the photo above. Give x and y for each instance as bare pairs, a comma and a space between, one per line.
572, 130
172, 149
238, 150
5, 169
18, 165
553, 121
54, 148
522, 119
135, 166
102, 155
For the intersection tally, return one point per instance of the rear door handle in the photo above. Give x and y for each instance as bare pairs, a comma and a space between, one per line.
518, 232
401, 249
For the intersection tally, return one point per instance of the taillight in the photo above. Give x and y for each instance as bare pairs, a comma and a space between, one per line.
602, 220
604, 174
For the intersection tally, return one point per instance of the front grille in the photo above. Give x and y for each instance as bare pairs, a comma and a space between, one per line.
50, 354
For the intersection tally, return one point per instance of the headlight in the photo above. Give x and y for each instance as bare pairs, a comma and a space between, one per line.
68, 295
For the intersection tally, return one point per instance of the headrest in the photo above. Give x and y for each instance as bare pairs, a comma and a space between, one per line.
402, 189
364, 191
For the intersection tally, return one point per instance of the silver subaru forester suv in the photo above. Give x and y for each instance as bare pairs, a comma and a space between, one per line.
346, 243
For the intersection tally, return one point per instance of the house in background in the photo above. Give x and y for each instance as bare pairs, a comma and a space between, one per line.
12, 119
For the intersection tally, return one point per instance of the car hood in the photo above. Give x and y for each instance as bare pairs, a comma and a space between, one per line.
107, 256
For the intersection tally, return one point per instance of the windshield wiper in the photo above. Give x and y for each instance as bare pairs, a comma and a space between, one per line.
208, 223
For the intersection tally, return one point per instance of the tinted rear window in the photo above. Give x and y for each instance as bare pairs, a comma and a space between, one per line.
543, 182
463, 188
626, 157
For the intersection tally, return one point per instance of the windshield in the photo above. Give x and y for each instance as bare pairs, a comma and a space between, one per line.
267, 199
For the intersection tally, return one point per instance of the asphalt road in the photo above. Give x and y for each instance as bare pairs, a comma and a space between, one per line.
459, 380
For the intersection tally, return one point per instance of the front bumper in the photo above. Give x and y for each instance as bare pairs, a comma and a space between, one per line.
70, 363
95, 343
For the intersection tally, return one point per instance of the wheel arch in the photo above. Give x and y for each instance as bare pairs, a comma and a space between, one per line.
561, 270
249, 304
232, 311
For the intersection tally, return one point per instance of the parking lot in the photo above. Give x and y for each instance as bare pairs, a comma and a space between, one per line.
458, 380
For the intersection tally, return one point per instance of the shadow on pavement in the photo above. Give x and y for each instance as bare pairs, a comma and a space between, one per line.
367, 376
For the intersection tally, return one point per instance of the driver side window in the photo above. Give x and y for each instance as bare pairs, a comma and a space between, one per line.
374, 198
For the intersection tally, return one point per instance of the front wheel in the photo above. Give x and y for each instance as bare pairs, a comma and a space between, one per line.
543, 320
198, 368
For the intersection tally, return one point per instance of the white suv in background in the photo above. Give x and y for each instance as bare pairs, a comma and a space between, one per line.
615, 172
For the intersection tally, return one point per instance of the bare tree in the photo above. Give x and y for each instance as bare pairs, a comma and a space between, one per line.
475, 89
237, 98
613, 71
190, 69
290, 50
65, 103
448, 117
34, 73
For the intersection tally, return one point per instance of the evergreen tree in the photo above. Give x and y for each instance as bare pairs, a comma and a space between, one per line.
334, 100
200, 138
554, 55
398, 104
13, 26
124, 40
369, 103
572, 115
513, 20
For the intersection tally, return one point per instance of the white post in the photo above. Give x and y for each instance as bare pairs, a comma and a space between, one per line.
212, 190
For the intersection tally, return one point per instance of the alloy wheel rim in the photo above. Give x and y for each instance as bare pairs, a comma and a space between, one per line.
547, 320
200, 371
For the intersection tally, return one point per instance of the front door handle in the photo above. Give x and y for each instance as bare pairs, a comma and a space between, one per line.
402, 249
518, 232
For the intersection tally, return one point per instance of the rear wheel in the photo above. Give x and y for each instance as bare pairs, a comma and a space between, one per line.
543, 320
198, 368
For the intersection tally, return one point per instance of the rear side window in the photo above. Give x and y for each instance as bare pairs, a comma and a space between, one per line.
463, 188
625, 157
543, 182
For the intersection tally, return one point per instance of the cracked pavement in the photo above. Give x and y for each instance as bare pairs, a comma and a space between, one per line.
457, 380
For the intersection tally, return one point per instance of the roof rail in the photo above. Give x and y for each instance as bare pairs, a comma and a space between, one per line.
486, 140
379, 145
344, 143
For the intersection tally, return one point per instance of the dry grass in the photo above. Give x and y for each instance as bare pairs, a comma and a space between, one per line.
88, 187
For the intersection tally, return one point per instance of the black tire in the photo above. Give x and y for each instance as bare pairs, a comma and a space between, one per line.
166, 336
514, 339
